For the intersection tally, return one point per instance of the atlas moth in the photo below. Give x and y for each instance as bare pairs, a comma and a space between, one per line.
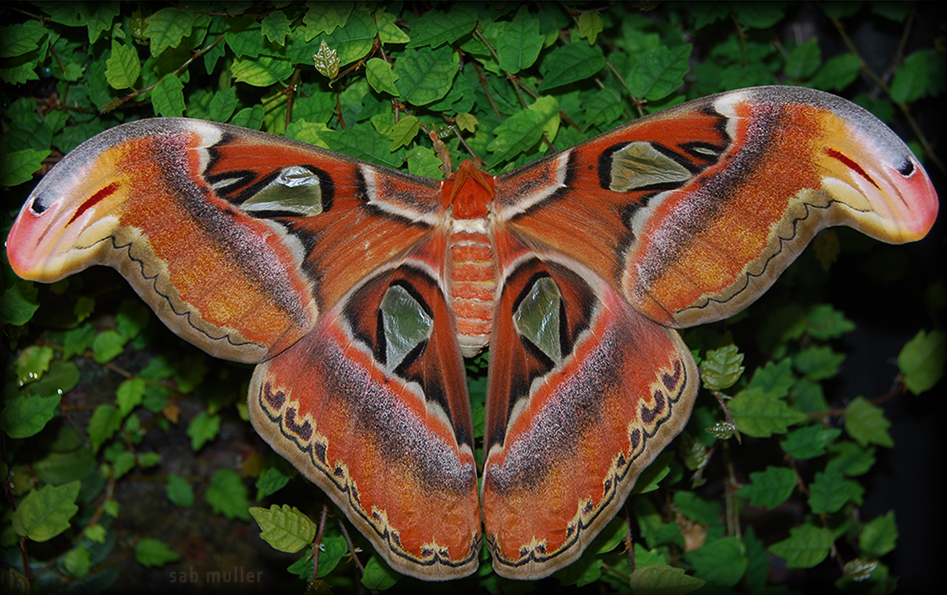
357, 290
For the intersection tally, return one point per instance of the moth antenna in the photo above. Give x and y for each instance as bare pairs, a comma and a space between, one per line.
443, 153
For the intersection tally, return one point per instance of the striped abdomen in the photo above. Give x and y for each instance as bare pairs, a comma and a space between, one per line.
473, 285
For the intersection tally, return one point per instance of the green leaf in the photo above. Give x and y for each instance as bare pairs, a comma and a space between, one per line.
388, 31
645, 557
705, 512
381, 77
603, 107
285, 528
130, 394
189, 373
21, 38
808, 396
122, 460
46, 511
334, 549
105, 421
179, 491
132, 317
423, 161
78, 340
653, 529
548, 109
16, 168
818, 362
825, 322
353, 41
308, 133
830, 491
262, 71
769, 488
123, 66
326, 17
367, 145
517, 134
106, 346
100, 19
167, 28
809, 442
202, 429
590, 25
404, 132
270, 481
275, 26
761, 414
85, 305
32, 363
18, 301
775, 378
866, 423
570, 63
653, 474
584, 571
804, 60
23, 417
377, 576
758, 15
152, 553
77, 562
223, 104
228, 495
436, 28
168, 97
758, 562
721, 368
135, 433
148, 459
922, 360
837, 73
519, 42
245, 39
303, 567
96, 17
661, 579
95, 533
111, 508
58, 468
425, 75
61, 377
850, 458
21, 69
659, 73
722, 562
879, 536
918, 77
805, 547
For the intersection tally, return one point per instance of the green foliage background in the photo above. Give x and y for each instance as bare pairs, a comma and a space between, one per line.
128, 459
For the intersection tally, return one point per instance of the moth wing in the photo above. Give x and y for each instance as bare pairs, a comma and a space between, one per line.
238, 240
372, 406
693, 212
583, 393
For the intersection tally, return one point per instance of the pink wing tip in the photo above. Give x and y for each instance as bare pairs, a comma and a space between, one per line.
21, 244
920, 203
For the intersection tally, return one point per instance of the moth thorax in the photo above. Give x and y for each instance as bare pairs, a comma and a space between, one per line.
473, 287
